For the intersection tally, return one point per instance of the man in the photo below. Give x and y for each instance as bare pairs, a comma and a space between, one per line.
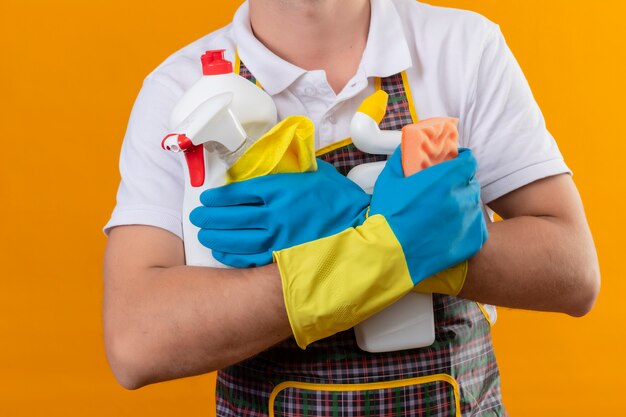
164, 320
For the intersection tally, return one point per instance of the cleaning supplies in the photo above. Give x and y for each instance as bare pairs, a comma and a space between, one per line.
331, 284
215, 121
428, 143
253, 107
409, 322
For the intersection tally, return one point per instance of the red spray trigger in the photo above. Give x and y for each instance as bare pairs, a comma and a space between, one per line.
194, 155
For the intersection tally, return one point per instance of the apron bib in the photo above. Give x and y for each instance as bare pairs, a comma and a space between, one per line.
456, 376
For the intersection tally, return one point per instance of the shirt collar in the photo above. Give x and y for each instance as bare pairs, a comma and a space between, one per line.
273, 73
386, 52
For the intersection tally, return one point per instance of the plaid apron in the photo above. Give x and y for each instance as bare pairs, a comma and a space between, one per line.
456, 376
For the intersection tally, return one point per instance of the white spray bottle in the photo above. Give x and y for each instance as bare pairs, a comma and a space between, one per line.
215, 121
409, 322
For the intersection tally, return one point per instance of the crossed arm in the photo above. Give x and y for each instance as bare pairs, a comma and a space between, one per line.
164, 320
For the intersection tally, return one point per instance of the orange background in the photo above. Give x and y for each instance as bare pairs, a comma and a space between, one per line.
70, 71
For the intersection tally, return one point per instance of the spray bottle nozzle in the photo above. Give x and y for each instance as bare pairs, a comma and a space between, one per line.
213, 63
175, 142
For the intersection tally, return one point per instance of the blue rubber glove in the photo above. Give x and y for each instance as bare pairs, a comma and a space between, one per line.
244, 222
434, 214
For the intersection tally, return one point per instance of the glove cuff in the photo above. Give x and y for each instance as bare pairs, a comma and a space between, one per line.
332, 284
449, 281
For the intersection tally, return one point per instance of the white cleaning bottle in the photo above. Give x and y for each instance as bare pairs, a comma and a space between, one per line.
409, 322
213, 124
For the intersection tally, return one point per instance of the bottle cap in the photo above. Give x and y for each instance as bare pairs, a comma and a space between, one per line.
213, 63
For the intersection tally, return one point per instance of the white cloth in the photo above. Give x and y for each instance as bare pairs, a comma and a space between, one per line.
458, 65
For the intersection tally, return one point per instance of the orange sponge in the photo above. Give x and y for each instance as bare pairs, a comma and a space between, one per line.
428, 142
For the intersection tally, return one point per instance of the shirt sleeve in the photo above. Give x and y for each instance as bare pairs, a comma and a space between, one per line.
504, 126
151, 187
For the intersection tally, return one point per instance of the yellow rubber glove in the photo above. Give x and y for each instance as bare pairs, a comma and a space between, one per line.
331, 284
449, 282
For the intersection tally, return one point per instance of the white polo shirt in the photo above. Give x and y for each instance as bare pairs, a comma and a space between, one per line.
457, 63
